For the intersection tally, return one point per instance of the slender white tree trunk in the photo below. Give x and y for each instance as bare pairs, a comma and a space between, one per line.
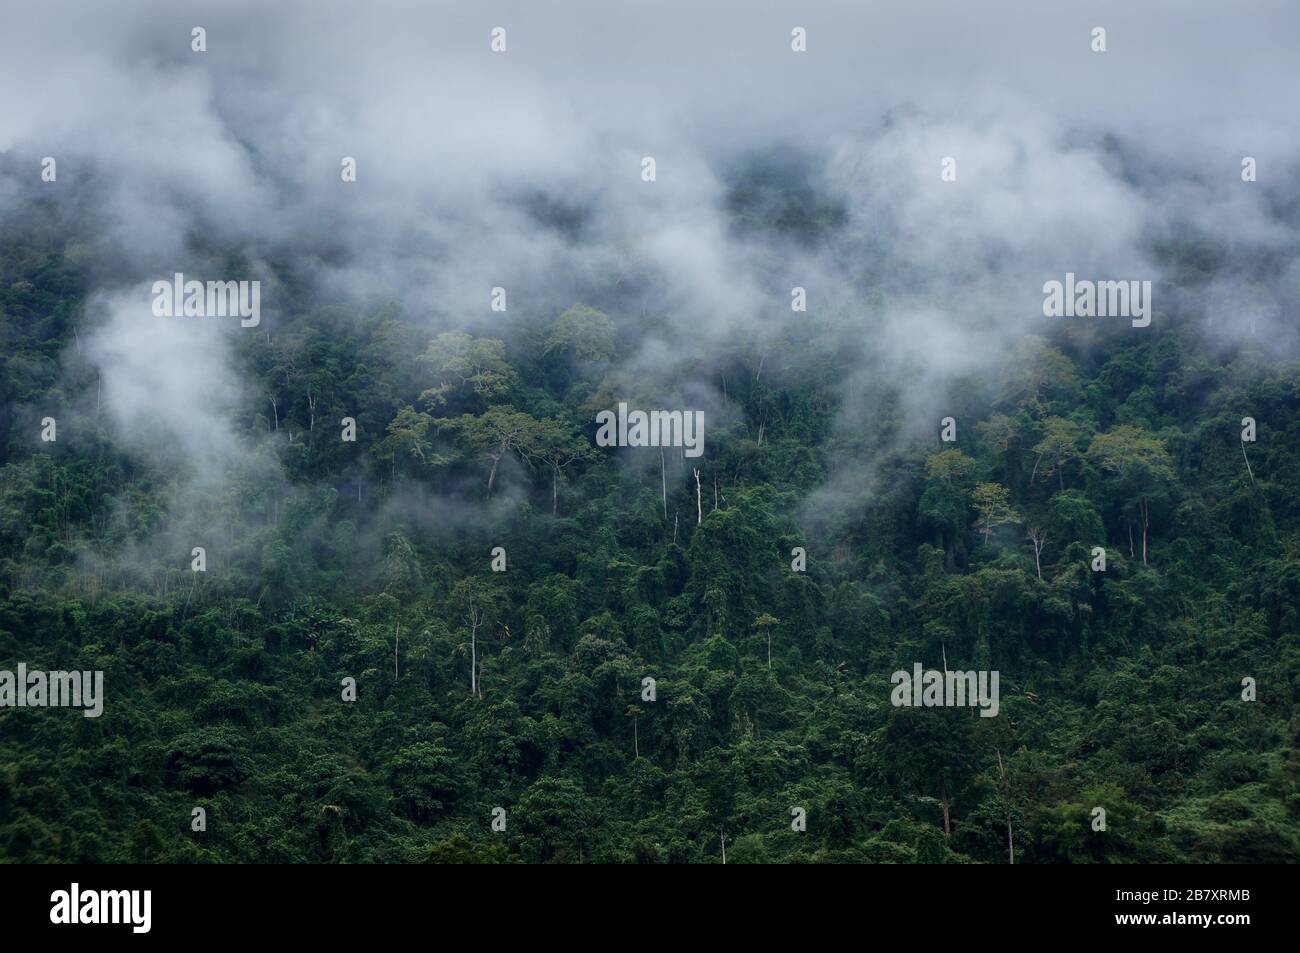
473, 655
1146, 521
1006, 792
663, 481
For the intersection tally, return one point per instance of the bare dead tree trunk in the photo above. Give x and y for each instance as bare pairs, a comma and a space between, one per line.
1146, 522
699, 507
1247, 459
1006, 800
663, 481
397, 635
473, 651
1011, 843
1039, 539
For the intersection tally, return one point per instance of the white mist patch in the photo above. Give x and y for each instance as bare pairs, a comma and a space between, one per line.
168, 385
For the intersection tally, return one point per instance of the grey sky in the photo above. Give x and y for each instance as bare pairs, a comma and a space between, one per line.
241, 145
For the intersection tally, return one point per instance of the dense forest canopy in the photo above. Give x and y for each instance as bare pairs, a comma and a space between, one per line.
362, 581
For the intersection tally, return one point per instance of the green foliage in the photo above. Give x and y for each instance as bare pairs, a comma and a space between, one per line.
371, 560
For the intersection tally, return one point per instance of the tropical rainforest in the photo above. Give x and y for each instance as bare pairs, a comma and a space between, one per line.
365, 589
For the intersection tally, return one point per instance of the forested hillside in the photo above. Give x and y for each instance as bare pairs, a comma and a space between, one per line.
329, 559
970, 533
